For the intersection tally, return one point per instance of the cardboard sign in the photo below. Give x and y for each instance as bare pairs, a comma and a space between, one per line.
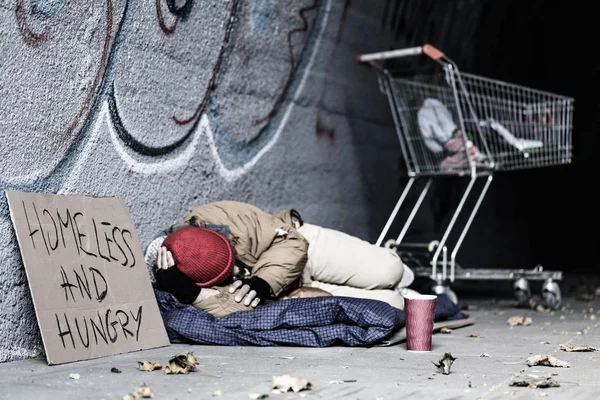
87, 276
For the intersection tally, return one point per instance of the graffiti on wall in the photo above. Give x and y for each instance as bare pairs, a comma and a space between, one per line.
163, 76
53, 71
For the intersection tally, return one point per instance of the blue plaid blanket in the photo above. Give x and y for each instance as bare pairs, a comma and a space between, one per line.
310, 322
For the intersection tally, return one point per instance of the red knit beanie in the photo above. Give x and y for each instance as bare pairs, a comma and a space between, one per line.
202, 254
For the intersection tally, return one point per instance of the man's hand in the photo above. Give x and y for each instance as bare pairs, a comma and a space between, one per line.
165, 258
252, 291
244, 291
171, 279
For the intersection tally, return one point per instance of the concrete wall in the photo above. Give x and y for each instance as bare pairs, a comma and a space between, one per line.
171, 104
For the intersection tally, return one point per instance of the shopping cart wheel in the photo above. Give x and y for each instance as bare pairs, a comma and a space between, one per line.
551, 294
522, 292
452, 295
441, 288
390, 244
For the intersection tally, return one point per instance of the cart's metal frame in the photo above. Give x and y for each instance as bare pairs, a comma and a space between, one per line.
470, 95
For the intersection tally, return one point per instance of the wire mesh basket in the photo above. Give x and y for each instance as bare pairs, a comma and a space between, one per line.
450, 122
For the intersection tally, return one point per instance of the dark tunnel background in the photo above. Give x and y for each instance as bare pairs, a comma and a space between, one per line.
544, 216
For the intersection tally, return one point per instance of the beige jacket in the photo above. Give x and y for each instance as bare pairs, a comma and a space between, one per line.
269, 244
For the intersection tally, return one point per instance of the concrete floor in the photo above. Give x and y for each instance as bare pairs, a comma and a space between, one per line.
374, 373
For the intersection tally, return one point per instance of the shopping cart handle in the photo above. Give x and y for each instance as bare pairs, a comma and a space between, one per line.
427, 49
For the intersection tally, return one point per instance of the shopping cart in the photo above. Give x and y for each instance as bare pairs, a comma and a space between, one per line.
453, 123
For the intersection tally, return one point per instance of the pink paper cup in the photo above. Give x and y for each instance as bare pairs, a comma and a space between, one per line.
419, 311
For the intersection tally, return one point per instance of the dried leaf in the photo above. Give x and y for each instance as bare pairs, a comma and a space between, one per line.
285, 383
577, 347
143, 392
181, 364
446, 330
535, 382
519, 320
546, 360
74, 376
115, 370
256, 396
475, 336
191, 359
287, 357
148, 366
484, 355
174, 368
445, 364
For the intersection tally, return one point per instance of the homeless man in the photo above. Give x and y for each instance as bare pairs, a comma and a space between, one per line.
268, 256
